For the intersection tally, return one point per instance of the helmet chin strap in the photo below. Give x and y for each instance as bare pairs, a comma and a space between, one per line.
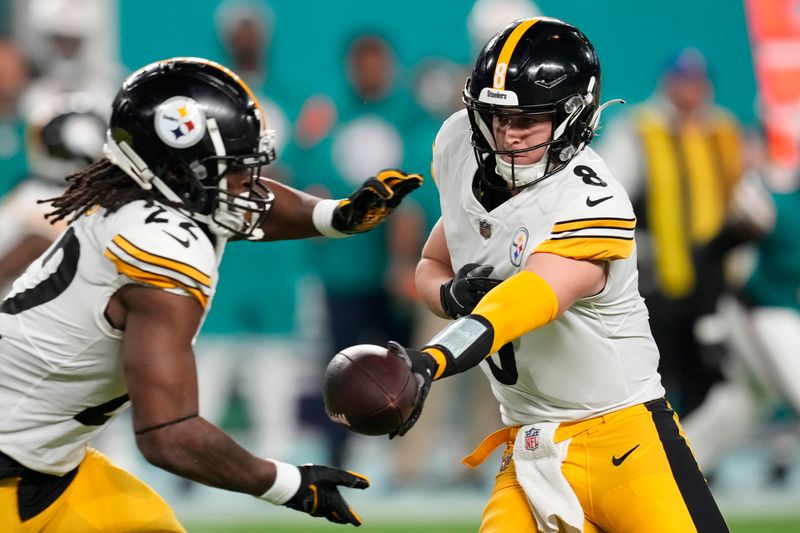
520, 175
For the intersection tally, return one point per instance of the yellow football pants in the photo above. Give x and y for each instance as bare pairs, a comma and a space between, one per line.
632, 471
102, 498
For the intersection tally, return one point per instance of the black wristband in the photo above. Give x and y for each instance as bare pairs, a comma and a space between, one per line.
464, 343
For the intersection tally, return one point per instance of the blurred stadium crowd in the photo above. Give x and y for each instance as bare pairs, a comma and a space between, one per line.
358, 87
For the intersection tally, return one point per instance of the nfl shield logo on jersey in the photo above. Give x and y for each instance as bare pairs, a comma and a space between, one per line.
518, 244
532, 439
485, 228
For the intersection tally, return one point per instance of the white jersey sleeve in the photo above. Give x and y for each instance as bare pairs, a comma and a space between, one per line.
165, 250
596, 224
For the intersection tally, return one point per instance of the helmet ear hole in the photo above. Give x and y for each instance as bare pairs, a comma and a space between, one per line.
573, 104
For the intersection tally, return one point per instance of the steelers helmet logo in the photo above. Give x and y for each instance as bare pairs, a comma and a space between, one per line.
180, 122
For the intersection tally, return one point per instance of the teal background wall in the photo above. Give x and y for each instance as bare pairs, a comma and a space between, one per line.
5, 17
633, 38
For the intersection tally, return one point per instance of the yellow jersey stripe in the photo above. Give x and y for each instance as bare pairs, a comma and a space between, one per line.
156, 280
501, 68
589, 248
585, 223
163, 262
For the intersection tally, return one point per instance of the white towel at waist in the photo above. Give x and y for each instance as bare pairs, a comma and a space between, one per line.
538, 464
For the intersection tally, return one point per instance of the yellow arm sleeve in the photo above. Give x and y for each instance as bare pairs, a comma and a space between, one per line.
520, 304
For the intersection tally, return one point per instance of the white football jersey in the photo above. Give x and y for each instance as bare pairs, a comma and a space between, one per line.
599, 355
61, 375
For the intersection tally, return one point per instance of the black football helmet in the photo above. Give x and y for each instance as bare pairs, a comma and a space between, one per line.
63, 134
534, 66
181, 125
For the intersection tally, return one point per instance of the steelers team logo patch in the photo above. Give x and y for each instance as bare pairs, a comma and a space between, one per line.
518, 244
180, 122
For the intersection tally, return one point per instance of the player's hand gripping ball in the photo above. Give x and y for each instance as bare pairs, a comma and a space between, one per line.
368, 390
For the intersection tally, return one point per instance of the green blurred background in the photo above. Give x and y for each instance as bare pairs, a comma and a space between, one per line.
633, 39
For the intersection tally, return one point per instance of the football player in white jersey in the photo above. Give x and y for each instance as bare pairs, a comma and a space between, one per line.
535, 259
106, 317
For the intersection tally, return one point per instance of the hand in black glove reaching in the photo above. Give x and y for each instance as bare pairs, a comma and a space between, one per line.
423, 366
373, 201
460, 295
318, 494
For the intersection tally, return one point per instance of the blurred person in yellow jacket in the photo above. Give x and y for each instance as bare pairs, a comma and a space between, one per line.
679, 155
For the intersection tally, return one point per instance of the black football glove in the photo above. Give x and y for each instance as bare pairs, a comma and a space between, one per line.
424, 367
318, 494
460, 295
373, 201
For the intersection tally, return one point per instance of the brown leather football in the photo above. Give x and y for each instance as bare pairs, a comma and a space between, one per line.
368, 390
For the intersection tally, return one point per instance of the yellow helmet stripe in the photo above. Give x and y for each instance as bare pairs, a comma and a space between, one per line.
501, 68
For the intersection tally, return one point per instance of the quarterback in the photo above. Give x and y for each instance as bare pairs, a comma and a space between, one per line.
106, 317
534, 258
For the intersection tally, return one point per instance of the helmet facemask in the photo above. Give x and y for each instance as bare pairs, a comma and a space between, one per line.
571, 118
231, 214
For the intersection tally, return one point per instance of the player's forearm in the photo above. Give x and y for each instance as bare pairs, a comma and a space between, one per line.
198, 450
430, 276
290, 216
520, 304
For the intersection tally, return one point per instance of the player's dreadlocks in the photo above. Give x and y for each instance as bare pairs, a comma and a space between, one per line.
100, 184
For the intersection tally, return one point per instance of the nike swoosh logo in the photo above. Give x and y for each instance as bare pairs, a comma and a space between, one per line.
618, 460
184, 243
592, 203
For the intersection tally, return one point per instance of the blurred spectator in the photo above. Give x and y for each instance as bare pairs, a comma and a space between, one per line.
245, 29
255, 331
488, 15
365, 131
62, 136
70, 46
13, 79
680, 157
765, 335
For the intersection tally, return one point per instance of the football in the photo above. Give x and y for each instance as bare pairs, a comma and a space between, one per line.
368, 390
